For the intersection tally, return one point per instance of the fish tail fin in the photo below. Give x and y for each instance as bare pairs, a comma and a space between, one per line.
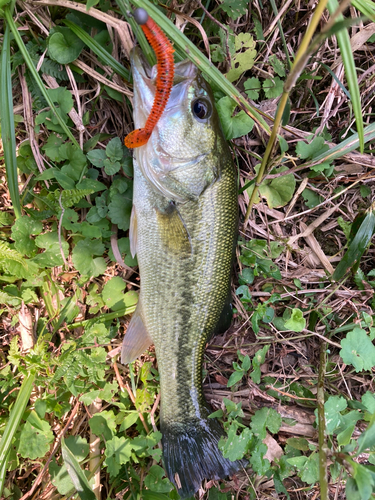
191, 454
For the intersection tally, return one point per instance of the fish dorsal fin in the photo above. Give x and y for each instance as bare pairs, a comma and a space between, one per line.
173, 232
133, 236
137, 338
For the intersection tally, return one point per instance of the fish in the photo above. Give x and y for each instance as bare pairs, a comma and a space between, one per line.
183, 229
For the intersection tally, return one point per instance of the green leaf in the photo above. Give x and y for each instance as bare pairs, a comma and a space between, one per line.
364, 480
22, 230
64, 99
144, 446
235, 446
278, 192
259, 464
358, 350
243, 59
266, 418
332, 408
52, 146
216, 494
311, 150
111, 167
367, 439
114, 298
312, 199
234, 8
307, 467
277, 65
244, 292
64, 46
97, 157
60, 478
75, 160
273, 87
117, 452
357, 246
258, 359
78, 446
153, 495
368, 400
103, 424
235, 377
112, 292
252, 87
51, 257
364, 190
296, 323
6, 219
155, 480
119, 210
298, 443
83, 257
343, 438
233, 126
76, 474
115, 149
351, 490
35, 437
246, 363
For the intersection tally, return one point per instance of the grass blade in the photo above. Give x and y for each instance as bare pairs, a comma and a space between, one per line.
357, 246
3, 471
98, 50
350, 144
15, 417
76, 474
102, 318
7, 124
367, 7
351, 74
35, 74
199, 59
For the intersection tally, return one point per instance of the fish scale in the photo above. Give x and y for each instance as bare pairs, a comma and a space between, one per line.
183, 229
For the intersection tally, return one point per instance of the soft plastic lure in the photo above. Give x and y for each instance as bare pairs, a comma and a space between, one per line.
164, 80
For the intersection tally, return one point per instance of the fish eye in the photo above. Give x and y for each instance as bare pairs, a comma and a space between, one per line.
202, 109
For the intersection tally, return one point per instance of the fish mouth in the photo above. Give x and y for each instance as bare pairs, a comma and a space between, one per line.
144, 79
162, 167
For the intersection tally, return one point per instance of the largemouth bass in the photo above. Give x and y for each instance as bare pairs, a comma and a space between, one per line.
183, 230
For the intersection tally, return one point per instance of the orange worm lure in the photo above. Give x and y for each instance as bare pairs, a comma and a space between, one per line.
164, 80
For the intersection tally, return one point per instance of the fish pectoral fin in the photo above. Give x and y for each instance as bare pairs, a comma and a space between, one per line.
173, 232
136, 340
133, 235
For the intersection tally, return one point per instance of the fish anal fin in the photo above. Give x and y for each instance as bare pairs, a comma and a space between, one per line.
133, 236
173, 232
136, 340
